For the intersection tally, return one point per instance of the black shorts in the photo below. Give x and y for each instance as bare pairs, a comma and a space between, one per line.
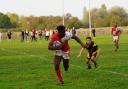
89, 55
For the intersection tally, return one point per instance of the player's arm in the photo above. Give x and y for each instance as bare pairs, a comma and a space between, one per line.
51, 47
81, 51
77, 39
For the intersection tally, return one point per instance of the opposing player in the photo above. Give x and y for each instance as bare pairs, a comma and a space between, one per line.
116, 34
93, 52
62, 51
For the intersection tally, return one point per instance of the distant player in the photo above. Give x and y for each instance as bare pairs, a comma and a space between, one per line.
33, 35
93, 31
62, 52
93, 52
116, 34
40, 34
26, 34
22, 35
47, 34
9, 35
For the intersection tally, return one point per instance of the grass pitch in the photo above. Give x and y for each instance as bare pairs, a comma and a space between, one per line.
30, 66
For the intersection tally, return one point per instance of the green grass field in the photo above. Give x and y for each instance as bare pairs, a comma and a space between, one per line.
29, 65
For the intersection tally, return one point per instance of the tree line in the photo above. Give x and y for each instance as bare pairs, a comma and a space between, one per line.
103, 17
12, 20
100, 17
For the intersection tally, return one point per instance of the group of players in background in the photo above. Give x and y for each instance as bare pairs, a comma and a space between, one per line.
36, 34
62, 52
26, 36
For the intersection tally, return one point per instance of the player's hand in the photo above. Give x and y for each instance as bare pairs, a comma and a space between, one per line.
84, 46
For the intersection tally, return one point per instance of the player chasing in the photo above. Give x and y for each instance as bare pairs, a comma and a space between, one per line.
116, 35
59, 44
93, 52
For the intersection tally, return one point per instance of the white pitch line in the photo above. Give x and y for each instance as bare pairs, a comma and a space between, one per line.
117, 73
2, 49
113, 72
38, 57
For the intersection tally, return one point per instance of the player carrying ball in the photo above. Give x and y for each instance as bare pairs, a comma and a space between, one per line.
62, 51
93, 52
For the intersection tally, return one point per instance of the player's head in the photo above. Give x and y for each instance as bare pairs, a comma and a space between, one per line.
88, 40
61, 30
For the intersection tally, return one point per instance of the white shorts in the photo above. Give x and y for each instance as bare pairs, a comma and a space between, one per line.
115, 38
65, 55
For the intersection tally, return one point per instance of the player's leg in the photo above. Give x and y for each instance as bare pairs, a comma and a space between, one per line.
116, 40
36, 38
88, 61
48, 37
117, 43
66, 60
93, 59
57, 60
66, 64
32, 38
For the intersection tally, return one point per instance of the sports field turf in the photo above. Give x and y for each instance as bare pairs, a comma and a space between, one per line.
29, 65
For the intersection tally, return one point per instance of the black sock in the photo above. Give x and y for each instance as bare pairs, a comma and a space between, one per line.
95, 64
89, 66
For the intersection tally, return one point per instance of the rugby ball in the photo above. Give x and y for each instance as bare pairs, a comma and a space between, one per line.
56, 43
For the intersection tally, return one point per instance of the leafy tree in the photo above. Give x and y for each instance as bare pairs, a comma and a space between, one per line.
117, 15
101, 17
14, 19
4, 21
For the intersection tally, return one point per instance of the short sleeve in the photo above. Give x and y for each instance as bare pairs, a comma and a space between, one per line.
69, 34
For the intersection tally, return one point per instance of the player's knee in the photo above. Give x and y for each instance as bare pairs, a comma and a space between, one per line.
92, 58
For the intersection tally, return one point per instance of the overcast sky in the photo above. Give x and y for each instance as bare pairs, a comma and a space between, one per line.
54, 7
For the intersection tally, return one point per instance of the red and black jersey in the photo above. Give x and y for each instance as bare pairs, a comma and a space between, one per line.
91, 47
